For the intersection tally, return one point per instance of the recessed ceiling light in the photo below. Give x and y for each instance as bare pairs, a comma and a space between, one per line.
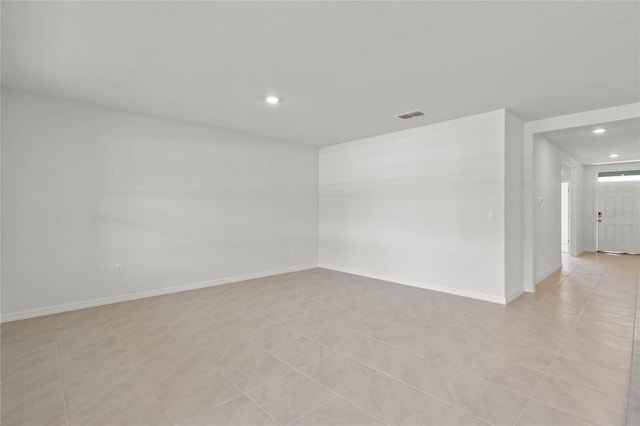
599, 131
272, 100
614, 155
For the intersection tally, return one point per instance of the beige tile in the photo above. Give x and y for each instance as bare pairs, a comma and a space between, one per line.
89, 342
308, 305
32, 395
143, 410
97, 391
544, 338
597, 354
615, 318
17, 342
614, 300
105, 363
538, 414
142, 345
24, 328
188, 393
526, 356
80, 319
300, 352
337, 412
271, 336
409, 336
39, 405
633, 416
254, 370
506, 374
309, 327
485, 400
244, 325
281, 313
598, 306
352, 320
446, 350
337, 372
234, 352
238, 411
372, 353
587, 340
589, 374
551, 322
190, 348
433, 412
170, 361
386, 399
141, 334
603, 328
290, 397
16, 367
426, 375
580, 401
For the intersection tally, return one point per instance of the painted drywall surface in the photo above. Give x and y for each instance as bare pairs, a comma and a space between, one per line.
514, 204
412, 206
590, 198
85, 188
547, 166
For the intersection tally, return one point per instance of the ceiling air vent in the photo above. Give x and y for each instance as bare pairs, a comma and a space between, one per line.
412, 114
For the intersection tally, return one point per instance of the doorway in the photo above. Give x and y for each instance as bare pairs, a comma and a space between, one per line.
565, 217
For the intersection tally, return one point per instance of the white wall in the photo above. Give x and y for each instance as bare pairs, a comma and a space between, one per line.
85, 188
590, 198
411, 206
551, 167
547, 165
514, 206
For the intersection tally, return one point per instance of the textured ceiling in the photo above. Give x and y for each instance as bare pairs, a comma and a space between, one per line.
343, 69
621, 137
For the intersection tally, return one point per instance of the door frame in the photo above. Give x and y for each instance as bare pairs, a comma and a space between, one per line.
571, 245
628, 165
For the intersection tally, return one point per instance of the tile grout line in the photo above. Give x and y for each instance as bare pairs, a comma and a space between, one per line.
336, 394
533, 392
247, 396
62, 387
376, 370
135, 364
552, 361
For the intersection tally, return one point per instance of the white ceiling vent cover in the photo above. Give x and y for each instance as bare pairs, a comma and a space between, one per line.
412, 114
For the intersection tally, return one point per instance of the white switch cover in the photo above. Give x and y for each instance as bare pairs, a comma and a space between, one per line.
490, 215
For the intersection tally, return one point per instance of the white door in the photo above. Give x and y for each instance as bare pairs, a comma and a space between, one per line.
619, 217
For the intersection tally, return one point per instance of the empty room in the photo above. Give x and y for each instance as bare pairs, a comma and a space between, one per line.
320, 213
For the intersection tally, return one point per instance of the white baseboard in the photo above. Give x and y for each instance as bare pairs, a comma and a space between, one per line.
420, 284
143, 294
513, 295
549, 272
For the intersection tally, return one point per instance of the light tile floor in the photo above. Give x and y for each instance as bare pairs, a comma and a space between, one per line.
325, 348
